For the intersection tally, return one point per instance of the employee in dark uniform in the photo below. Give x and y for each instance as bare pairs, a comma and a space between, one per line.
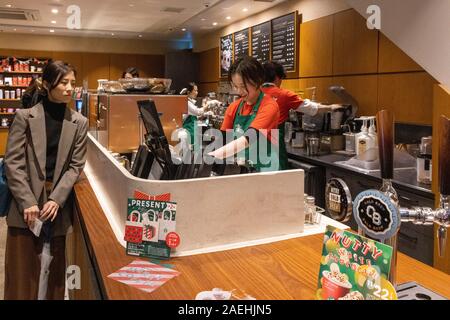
254, 111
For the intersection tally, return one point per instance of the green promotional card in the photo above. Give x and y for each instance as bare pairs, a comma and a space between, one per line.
354, 268
149, 228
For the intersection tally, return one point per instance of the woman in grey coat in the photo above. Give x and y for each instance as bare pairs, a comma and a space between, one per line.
44, 157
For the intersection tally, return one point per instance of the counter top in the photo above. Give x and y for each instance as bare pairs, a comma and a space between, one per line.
280, 270
405, 178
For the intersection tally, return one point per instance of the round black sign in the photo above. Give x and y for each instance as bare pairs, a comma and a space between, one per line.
338, 200
376, 214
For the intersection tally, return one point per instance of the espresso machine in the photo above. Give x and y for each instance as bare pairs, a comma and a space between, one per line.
332, 138
377, 212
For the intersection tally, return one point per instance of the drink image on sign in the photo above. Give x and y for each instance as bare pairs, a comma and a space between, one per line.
335, 284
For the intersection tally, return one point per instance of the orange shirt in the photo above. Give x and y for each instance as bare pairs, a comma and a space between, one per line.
266, 117
286, 100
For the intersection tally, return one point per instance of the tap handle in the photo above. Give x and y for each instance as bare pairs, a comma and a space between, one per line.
442, 240
385, 124
444, 156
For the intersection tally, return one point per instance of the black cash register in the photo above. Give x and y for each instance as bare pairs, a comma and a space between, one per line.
154, 159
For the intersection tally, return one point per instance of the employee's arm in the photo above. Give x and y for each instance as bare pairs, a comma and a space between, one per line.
312, 108
15, 164
230, 149
65, 185
193, 110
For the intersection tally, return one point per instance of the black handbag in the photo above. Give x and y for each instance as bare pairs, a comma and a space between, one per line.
5, 194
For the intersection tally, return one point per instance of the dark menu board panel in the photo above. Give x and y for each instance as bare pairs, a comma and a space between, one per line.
226, 54
241, 44
283, 41
261, 42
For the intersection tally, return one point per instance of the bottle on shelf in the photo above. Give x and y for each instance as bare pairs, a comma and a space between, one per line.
424, 165
373, 132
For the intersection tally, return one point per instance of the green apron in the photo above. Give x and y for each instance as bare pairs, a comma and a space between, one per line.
282, 145
244, 123
190, 123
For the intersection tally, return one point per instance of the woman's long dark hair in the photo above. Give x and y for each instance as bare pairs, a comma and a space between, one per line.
53, 72
249, 69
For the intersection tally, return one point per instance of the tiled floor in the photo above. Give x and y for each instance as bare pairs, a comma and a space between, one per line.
2, 254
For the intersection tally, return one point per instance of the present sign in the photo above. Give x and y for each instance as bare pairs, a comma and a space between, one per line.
149, 222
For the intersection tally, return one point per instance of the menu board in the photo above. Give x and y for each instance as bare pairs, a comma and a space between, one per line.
283, 41
226, 54
241, 44
261, 42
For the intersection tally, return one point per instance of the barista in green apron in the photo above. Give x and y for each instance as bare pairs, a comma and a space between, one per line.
254, 111
252, 153
190, 123
283, 157
287, 100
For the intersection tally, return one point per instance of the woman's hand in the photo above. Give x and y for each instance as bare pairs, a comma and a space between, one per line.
49, 211
31, 214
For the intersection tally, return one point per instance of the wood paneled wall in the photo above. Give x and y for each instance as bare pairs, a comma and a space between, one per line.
208, 71
340, 50
93, 66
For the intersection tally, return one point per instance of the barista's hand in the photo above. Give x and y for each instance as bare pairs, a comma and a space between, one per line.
335, 107
49, 211
30, 214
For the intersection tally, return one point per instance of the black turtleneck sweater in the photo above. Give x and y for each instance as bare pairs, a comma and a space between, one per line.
54, 115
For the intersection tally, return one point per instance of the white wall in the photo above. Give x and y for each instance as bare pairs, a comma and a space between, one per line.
310, 10
82, 44
420, 28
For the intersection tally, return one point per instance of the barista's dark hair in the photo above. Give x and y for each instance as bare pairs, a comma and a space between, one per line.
131, 70
249, 69
54, 71
190, 86
273, 69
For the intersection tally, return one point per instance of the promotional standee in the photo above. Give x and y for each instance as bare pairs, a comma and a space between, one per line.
150, 227
354, 268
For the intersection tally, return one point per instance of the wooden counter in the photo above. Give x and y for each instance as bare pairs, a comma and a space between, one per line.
282, 270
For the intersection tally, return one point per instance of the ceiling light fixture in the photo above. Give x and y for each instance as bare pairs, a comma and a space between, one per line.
8, 5
228, 18
55, 11
245, 9
52, 31
203, 19
112, 34
184, 29
214, 24
53, 21
140, 36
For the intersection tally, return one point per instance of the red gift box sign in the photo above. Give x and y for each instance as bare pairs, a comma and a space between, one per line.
133, 234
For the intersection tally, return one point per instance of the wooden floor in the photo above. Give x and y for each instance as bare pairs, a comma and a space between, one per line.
2, 254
